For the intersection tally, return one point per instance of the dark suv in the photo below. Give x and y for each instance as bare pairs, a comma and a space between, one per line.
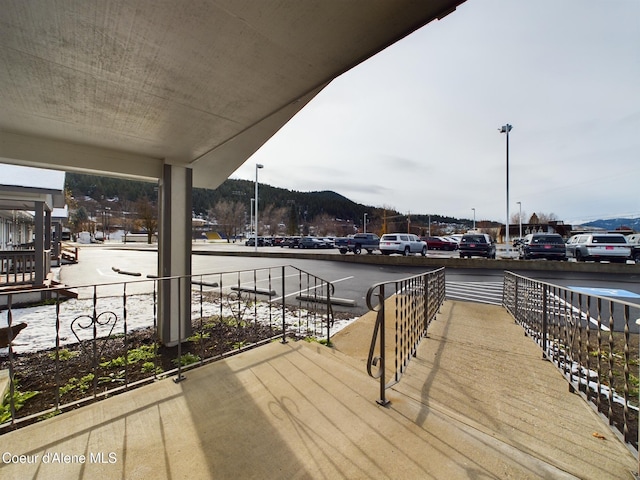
543, 245
477, 245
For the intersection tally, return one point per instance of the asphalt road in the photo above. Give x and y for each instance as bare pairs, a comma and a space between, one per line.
98, 265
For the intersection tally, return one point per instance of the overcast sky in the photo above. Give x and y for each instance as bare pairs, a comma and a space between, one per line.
416, 127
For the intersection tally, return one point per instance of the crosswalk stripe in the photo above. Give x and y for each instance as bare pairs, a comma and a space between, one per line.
480, 292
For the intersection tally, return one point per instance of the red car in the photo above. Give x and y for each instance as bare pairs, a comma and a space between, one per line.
440, 243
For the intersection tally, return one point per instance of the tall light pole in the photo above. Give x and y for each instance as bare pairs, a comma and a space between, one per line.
364, 223
253, 201
107, 214
255, 237
474, 218
520, 218
506, 129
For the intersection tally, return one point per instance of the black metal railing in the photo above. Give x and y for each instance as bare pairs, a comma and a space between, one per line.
592, 339
105, 340
409, 304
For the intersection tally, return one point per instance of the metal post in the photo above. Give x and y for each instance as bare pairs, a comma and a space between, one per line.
12, 385
544, 322
506, 129
508, 219
255, 246
638, 471
426, 313
329, 309
284, 310
520, 218
180, 377
253, 200
382, 401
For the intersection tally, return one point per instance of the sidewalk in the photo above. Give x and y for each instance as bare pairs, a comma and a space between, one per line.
478, 401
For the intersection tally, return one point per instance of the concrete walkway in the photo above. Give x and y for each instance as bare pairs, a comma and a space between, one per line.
477, 402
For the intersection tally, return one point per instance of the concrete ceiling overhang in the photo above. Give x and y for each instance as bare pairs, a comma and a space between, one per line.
21, 188
12, 198
121, 87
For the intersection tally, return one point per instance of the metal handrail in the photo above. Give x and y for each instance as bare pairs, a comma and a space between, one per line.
277, 302
416, 301
592, 339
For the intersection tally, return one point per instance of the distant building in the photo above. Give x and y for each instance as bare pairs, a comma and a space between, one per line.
556, 226
32, 208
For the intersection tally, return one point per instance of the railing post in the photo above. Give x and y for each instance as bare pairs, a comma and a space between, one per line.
12, 392
284, 309
515, 300
544, 322
329, 310
95, 341
638, 468
426, 312
57, 358
381, 317
180, 377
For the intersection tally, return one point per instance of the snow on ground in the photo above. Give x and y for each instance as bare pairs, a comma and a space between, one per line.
75, 319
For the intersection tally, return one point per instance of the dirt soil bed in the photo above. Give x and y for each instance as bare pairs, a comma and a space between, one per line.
86, 371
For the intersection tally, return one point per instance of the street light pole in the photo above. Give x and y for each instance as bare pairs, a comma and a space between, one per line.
255, 237
364, 223
506, 129
107, 214
520, 218
253, 201
474, 218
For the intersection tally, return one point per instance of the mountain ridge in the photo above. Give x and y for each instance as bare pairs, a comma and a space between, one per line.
615, 223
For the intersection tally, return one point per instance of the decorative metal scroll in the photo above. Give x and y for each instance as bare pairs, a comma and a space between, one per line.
97, 324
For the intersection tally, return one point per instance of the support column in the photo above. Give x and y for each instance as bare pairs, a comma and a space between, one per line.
57, 241
174, 254
47, 229
38, 245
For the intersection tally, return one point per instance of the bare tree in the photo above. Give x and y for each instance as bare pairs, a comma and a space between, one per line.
324, 224
547, 217
540, 218
147, 217
517, 217
271, 217
230, 217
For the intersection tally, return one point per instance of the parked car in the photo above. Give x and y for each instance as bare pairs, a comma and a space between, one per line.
440, 243
477, 245
542, 245
403, 243
634, 243
330, 242
311, 242
456, 237
291, 242
612, 247
633, 239
277, 241
262, 242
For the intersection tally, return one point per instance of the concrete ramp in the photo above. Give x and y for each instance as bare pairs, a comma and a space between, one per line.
301, 410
